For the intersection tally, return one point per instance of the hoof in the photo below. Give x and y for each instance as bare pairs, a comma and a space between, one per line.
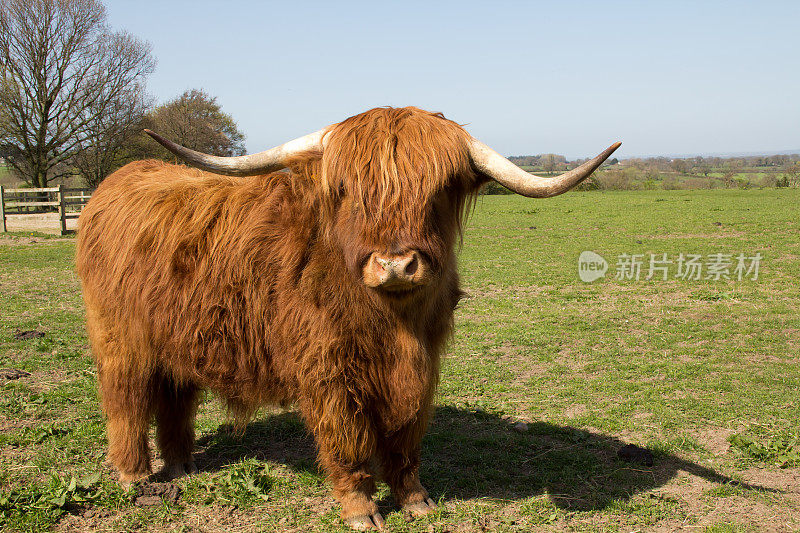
128, 480
420, 508
176, 470
366, 522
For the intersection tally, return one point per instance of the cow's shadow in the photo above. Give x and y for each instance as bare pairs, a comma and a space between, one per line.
473, 454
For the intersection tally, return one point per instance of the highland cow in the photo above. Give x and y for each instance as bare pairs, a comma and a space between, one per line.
331, 285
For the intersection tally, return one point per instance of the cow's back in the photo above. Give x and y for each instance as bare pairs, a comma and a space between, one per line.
139, 216
167, 255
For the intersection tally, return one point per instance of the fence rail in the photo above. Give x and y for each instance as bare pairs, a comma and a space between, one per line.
40, 202
39, 190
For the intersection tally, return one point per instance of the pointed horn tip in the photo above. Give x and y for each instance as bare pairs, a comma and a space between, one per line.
610, 150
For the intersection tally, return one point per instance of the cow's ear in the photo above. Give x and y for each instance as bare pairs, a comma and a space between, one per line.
459, 295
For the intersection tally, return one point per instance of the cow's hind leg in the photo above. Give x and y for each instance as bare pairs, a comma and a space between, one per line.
175, 409
127, 401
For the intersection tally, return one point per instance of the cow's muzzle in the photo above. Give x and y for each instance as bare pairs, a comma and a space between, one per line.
396, 272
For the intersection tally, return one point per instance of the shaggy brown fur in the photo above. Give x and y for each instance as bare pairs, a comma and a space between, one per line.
252, 288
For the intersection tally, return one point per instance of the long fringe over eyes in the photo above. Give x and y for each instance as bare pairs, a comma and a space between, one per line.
392, 160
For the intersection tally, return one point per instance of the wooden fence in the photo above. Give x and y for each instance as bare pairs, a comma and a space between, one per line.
42, 209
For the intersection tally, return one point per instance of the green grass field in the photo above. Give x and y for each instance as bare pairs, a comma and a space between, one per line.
703, 373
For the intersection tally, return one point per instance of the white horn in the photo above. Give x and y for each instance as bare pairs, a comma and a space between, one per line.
246, 165
511, 176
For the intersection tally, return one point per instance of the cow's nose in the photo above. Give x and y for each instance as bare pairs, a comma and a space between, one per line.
395, 271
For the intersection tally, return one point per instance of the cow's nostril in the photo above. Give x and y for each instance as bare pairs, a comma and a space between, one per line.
412, 266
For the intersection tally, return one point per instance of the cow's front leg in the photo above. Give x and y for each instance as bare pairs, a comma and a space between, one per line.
353, 486
346, 442
400, 460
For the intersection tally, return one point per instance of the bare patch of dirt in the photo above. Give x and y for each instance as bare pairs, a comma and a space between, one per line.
574, 411
8, 424
155, 493
45, 380
13, 373
12, 240
18, 241
752, 509
97, 519
495, 292
722, 235
787, 480
21, 335
530, 371
506, 352
219, 518
509, 354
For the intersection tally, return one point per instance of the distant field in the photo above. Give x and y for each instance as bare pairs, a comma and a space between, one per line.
682, 367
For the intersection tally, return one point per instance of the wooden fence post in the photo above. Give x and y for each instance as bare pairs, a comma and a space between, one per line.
3, 208
62, 210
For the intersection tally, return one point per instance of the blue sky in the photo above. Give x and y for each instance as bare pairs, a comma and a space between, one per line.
524, 77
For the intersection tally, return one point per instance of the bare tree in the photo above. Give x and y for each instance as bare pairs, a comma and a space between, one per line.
106, 145
551, 162
730, 171
195, 120
791, 172
679, 166
61, 69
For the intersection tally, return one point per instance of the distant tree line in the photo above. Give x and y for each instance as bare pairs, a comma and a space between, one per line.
741, 172
73, 98
548, 162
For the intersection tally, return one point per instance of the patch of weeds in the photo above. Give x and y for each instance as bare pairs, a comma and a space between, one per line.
481, 405
45, 433
47, 503
243, 484
332, 522
681, 443
649, 508
21, 402
540, 511
781, 449
34, 435
310, 479
306, 465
